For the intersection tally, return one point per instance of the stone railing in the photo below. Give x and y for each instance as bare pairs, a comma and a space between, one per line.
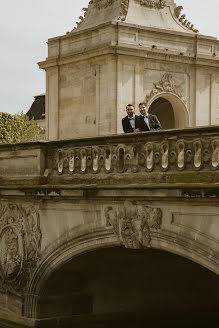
153, 152
137, 158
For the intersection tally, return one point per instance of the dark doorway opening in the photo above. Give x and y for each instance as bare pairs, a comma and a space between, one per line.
118, 287
163, 109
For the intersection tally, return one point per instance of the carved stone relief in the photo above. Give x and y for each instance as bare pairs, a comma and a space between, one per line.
166, 84
20, 238
124, 10
133, 224
153, 4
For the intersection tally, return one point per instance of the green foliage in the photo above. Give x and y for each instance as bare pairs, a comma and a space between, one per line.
18, 128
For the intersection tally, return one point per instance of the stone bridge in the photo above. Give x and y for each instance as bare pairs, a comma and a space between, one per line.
108, 231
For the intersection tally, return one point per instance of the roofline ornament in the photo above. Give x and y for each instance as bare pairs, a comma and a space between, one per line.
182, 19
102, 4
166, 84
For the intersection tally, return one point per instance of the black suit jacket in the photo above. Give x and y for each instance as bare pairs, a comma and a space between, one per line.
153, 123
127, 128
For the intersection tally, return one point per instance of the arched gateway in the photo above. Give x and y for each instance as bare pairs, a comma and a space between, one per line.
92, 279
170, 110
109, 229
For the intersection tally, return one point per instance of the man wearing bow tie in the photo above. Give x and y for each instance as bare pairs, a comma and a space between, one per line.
145, 121
128, 122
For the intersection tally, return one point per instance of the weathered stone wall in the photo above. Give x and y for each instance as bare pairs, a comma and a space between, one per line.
61, 199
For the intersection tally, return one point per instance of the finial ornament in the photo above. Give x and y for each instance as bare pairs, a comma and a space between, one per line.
182, 19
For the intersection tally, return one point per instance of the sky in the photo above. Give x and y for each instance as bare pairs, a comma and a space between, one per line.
26, 25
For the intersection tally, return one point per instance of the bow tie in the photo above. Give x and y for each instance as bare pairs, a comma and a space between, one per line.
144, 116
131, 118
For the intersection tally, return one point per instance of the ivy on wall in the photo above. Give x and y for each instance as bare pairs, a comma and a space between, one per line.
18, 128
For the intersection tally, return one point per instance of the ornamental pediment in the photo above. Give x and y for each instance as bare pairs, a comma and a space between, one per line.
137, 12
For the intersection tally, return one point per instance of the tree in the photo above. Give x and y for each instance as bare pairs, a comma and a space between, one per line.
18, 128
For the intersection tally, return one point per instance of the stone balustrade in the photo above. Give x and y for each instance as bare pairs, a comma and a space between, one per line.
148, 156
144, 156
163, 151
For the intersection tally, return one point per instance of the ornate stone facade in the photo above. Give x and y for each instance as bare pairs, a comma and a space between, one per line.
20, 238
133, 224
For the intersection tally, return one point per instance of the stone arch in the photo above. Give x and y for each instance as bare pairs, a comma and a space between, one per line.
180, 111
105, 238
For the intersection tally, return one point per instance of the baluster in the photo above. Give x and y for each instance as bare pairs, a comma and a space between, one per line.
215, 155
181, 154
71, 162
95, 159
135, 159
83, 160
60, 162
165, 156
108, 158
149, 156
198, 154
121, 159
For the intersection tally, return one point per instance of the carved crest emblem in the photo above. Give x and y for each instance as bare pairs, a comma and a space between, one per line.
166, 84
20, 238
133, 224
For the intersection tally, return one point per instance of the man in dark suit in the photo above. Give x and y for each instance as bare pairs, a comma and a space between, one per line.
145, 121
128, 122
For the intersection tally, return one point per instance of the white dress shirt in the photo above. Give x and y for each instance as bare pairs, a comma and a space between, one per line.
132, 121
146, 121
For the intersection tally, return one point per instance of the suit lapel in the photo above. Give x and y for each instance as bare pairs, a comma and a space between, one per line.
128, 122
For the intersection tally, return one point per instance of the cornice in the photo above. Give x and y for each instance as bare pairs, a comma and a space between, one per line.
132, 50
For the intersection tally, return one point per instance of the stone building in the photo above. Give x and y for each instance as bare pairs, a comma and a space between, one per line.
117, 230
127, 51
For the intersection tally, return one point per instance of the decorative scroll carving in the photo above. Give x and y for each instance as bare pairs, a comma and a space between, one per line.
124, 10
153, 4
81, 18
20, 238
182, 19
166, 84
178, 11
133, 224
